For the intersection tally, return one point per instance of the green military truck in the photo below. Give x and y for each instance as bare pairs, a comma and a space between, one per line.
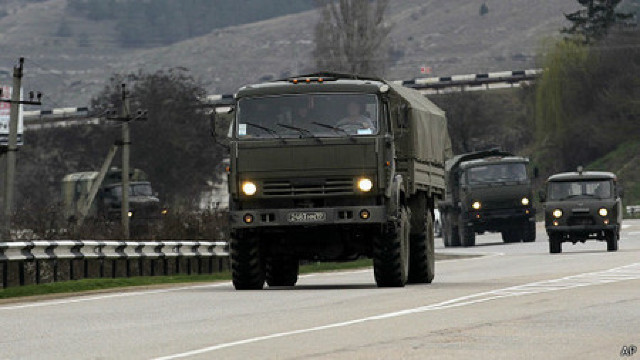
582, 205
332, 167
144, 205
487, 191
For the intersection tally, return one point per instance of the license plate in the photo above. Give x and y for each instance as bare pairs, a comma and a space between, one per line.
307, 216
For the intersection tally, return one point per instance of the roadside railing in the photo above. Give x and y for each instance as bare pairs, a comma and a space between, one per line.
37, 262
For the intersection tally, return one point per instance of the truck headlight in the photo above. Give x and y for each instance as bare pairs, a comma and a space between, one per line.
603, 212
476, 205
249, 188
525, 201
365, 184
557, 213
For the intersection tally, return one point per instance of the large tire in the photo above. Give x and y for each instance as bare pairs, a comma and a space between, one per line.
247, 272
454, 235
612, 240
555, 244
281, 271
467, 235
511, 236
529, 232
422, 254
391, 253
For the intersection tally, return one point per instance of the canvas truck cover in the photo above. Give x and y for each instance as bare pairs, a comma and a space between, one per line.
430, 142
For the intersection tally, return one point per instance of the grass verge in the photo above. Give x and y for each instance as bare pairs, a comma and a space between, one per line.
85, 285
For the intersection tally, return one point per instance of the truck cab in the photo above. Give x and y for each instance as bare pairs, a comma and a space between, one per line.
582, 205
489, 191
329, 167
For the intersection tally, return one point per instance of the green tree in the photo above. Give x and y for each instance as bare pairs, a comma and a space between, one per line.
352, 36
173, 146
593, 21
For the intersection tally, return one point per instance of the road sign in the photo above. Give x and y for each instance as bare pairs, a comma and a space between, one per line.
5, 111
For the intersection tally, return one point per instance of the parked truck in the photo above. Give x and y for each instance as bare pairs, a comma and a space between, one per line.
144, 205
487, 191
333, 167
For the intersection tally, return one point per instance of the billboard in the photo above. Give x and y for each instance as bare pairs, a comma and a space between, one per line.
5, 112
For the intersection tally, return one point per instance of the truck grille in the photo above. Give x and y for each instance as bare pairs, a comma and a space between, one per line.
499, 204
581, 220
339, 186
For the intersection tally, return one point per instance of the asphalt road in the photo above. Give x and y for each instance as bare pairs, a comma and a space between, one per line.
517, 301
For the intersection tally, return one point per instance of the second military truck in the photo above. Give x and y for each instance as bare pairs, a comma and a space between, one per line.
332, 167
487, 191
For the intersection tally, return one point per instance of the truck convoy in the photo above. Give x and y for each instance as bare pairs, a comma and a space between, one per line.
582, 205
332, 167
144, 205
487, 191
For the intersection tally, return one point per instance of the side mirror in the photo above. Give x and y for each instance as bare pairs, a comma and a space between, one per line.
220, 122
620, 190
542, 196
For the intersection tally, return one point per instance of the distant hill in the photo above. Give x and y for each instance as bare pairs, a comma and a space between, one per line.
69, 56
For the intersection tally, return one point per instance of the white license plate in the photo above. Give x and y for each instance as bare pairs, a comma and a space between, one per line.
307, 216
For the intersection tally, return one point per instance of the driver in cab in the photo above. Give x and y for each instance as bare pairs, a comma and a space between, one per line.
356, 121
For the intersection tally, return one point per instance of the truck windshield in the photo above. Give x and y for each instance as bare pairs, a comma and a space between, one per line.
313, 115
496, 173
561, 190
134, 190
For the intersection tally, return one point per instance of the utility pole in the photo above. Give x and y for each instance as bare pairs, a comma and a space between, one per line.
126, 141
124, 115
12, 144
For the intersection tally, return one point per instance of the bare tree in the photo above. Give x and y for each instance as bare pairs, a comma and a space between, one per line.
351, 36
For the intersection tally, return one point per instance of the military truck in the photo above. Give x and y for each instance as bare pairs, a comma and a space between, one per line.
333, 167
487, 191
144, 205
582, 205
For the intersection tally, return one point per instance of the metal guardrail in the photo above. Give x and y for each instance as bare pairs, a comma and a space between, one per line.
633, 209
35, 262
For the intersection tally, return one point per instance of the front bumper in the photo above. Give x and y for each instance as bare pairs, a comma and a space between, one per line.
580, 228
346, 215
487, 216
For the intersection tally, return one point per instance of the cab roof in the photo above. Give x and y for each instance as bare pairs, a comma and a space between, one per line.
584, 175
493, 160
314, 83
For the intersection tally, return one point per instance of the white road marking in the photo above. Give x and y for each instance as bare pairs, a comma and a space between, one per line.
625, 226
628, 272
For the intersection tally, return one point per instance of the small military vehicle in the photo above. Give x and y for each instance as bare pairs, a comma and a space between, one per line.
487, 191
334, 167
582, 205
144, 205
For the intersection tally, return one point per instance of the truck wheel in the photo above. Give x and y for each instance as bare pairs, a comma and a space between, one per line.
391, 253
530, 232
510, 236
467, 235
422, 254
281, 271
612, 240
454, 236
555, 244
246, 266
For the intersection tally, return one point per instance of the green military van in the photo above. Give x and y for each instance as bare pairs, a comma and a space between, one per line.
582, 205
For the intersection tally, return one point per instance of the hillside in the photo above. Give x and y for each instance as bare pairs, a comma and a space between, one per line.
450, 36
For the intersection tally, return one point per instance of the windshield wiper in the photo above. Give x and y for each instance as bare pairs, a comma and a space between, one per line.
268, 130
334, 128
302, 131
